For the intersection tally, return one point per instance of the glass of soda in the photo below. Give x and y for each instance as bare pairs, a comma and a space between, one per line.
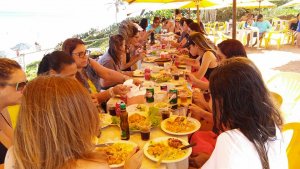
145, 130
112, 111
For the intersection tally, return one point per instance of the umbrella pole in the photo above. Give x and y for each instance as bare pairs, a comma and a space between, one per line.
189, 13
233, 19
259, 7
198, 14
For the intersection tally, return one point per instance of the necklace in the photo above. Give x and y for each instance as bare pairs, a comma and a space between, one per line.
6, 120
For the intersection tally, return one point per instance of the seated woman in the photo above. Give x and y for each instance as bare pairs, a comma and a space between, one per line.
206, 60
130, 33
57, 63
113, 59
12, 82
168, 25
225, 50
90, 71
201, 108
182, 41
244, 114
56, 128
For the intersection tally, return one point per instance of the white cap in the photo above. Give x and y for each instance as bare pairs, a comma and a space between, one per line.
138, 27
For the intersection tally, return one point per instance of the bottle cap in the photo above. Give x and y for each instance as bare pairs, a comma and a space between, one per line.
123, 106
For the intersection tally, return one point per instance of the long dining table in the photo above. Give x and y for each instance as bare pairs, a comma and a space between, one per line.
113, 133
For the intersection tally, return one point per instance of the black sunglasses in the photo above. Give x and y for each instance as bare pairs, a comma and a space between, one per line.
19, 86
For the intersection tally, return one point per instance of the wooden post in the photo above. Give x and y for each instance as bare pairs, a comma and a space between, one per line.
198, 14
233, 19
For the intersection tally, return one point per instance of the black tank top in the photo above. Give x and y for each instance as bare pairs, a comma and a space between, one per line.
3, 151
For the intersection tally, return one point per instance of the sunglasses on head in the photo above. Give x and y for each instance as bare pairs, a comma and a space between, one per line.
82, 54
19, 86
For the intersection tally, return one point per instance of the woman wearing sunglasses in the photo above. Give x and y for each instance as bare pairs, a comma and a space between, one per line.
56, 128
90, 71
12, 82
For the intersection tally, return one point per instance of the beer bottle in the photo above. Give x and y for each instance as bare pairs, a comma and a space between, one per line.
125, 135
152, 38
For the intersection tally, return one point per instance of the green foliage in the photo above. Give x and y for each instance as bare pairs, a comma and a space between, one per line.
31, 70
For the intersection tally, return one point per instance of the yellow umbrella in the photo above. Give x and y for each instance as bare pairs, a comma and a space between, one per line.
151, 1
201, 3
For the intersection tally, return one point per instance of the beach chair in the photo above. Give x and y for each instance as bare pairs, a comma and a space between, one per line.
293, 149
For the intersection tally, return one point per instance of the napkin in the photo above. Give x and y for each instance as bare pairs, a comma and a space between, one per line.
134, 90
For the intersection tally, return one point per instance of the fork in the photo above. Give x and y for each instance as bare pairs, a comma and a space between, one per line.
165, 154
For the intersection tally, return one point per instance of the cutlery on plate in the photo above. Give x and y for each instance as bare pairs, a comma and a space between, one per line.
188, 146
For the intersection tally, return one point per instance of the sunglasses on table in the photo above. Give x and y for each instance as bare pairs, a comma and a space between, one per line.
19, 86
82, 54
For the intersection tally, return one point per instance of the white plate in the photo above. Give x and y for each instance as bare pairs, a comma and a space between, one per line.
149, 59
164, 139
132, 109
130, 143
105, 119
138, 73
190, 119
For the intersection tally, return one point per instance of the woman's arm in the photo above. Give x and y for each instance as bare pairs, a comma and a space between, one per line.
6, 132
132, 61
108, 74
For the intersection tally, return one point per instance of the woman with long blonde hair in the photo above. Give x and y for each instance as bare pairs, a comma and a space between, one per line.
55, 127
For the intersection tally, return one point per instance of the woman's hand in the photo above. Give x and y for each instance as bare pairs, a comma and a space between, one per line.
197, 161
134, 159
191, 78
95, 99
196, 111
184, 51
121, 90
137, 82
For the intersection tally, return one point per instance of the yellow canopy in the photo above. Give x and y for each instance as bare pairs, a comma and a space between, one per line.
152, 1
202, 4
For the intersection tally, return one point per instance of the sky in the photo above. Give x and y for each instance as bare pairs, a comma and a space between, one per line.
49, 22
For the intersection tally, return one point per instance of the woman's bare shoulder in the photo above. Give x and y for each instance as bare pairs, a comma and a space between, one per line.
85, 164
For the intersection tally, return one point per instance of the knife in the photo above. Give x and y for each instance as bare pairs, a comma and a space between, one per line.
188, 146
104, 145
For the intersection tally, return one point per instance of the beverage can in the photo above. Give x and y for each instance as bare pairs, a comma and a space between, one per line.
173, 96
150, 95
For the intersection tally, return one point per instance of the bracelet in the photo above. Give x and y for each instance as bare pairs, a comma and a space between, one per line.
111, 92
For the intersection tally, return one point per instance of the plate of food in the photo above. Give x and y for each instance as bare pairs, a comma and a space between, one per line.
117, 152
161, 77
161, 61
138, 73
105, 119
149, 59
180, 125
137, 115
167, 149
